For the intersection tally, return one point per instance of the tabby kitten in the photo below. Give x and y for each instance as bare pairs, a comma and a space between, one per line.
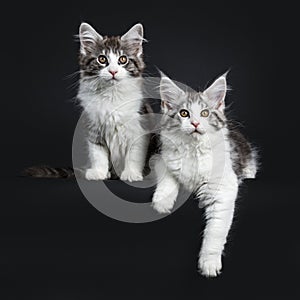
201, 152
110, 93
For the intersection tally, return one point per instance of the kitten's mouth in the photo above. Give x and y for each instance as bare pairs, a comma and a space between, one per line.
196, 131
111, 78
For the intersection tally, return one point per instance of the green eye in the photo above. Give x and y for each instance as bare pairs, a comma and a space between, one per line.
204, 113
102, 59
184, 113
122, 59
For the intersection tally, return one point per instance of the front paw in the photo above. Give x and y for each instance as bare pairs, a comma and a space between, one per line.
131, 175
162, 205
210, 265
96, 174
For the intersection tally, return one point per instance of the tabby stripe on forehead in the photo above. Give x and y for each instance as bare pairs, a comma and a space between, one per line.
112, 43
200, 101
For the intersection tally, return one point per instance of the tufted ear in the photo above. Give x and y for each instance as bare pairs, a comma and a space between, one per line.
89, 38
216, 93
135, 37
170, 93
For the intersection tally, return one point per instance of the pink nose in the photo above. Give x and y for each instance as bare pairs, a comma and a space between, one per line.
195, 124
113, 73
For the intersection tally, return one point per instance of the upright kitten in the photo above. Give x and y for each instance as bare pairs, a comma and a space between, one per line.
110, 93
201, 152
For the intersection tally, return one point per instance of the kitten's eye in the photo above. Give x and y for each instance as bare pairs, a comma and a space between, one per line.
204, 113
102, 59
122, 59
184, 113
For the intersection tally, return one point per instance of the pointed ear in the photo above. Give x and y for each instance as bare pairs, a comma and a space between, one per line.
216, 93
135, 37
170, 93
89, 38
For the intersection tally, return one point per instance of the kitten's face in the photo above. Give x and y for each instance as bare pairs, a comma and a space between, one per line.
111, 59
195, 113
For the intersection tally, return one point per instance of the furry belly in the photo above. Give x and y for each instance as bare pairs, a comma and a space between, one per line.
191, 170
117, 143
120, 139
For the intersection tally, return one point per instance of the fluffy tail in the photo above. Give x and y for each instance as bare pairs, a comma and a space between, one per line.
49, 172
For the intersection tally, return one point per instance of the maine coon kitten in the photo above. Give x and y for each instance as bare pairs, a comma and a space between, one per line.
110, 93
201, 152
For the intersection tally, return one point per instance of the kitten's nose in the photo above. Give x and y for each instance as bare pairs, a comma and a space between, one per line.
195, 124
113, 73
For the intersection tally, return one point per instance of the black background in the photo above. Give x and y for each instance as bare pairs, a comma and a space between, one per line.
55, 245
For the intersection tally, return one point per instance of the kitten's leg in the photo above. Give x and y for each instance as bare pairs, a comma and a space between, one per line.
99, 162
135, 160
219, 215
166, 190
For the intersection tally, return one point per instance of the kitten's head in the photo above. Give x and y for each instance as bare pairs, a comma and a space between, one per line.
111, 59
194, 113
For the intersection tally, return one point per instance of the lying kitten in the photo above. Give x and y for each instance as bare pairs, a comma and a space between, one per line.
110, 93
201, 152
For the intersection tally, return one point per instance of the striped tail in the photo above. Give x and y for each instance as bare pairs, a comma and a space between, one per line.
48, 172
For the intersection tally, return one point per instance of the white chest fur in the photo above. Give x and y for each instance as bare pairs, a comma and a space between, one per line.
196, 163
114, 111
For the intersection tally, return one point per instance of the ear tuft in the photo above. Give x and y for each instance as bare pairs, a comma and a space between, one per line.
216, 93
135, 33
135, 37
89, 38
170, 93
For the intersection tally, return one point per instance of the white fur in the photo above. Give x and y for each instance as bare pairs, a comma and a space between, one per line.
166, 191
115, 105
202, 167
201, 162
98, 156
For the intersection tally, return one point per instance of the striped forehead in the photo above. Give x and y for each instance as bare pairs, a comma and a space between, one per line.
112, 52
195, 100
111, 45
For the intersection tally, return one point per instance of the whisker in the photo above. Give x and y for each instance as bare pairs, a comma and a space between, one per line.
72, 75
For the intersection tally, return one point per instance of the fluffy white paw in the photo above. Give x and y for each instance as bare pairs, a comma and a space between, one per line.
210, 265
131, 175
162, 205
96, 174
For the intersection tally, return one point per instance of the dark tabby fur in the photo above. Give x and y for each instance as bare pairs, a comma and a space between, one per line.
49, 172
90, 67
242, 148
